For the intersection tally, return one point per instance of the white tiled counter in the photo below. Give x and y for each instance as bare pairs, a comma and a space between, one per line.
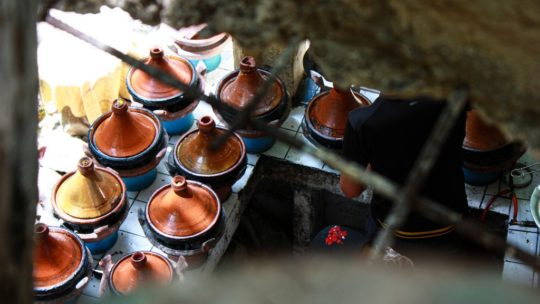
132, 238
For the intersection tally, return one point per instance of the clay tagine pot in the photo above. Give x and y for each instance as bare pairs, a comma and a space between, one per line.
91, 199
480, 136
487, 153
129, 140
170, 104
155, 94
62, 265
327, 112
220, 168
141, 268
239, 87
184, 219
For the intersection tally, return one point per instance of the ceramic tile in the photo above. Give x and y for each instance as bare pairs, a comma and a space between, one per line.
161, 180
252, 159
500, 205
227, 58
85, 299
494, 188
280, 148
128, 243
517, 273
527, 241
230, 203
162, 167
92, 288
241, 183
132, 194
295, 119
131, 223
474, 195
302, 158
174, 139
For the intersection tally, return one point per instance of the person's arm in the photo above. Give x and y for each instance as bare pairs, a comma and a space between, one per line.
353, 149
350, 187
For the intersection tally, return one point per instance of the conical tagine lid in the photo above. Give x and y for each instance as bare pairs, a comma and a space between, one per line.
139, 269
183, 209
57, 256
481, 136
239, 91
125, 133
328, 113
88, 192
195, 154
148, 87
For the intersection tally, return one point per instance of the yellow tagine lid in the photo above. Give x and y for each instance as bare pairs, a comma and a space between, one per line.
88, 192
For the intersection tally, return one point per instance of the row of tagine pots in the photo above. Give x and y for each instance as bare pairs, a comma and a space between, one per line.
184, 219
235, 91
62, 267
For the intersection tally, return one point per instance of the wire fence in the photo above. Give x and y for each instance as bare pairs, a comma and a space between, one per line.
406, 198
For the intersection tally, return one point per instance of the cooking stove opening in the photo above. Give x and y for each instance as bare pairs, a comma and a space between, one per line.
289, 204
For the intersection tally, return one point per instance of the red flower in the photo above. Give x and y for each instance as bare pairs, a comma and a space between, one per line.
335, 235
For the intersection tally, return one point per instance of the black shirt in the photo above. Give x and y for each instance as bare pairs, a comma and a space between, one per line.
389, 135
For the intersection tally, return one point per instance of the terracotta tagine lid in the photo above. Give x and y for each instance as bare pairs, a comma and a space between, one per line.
139, 269
183, 209
124, 133
195, 154
239, 91
147, 87
57, 256
328, 113
88, 192
481, 136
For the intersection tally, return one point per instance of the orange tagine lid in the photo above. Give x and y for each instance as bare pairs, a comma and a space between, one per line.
88, 192
195, 154
239, 91
147, 87
328, 112
140, 269
183, 209
57, 256
125, 132
482, 136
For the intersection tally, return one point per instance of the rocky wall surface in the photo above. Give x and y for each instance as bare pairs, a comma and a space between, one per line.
400, 47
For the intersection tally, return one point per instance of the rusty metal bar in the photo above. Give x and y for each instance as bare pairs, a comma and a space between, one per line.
388, 189
421, 169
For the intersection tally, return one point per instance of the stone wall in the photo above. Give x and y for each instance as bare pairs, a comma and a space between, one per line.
401, 47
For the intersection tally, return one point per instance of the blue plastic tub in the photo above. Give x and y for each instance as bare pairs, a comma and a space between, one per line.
480, 178
136, 183
211, 63
103, 245
256, 145
179, 125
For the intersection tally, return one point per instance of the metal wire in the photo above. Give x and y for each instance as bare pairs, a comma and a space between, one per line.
383, 186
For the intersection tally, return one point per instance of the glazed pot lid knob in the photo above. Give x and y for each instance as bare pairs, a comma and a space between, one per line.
247, 64
156, 53
138, 260
57, 256
88, 193
195, 153
119, 107
206, 124
180, 186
